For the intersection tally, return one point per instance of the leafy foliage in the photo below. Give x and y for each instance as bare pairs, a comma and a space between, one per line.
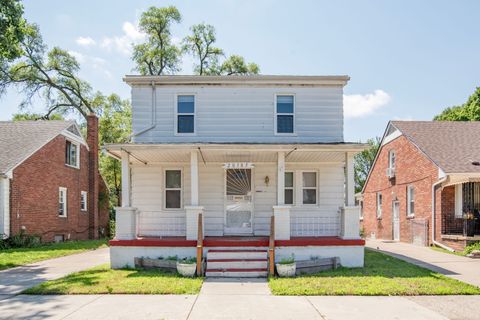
20, 240
158, 55
236, 65
36, 116
12, 30
363, 163
469, 111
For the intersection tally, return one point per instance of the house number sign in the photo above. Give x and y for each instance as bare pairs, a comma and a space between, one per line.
238, 165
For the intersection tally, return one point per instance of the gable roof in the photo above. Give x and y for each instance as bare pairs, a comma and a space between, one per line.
20, 139
451, 145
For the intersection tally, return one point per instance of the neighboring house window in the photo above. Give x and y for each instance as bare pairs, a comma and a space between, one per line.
186, 114
83, 200
173, 189
62, 202
309, 187
459, 201
410, 201
71, 154
361, 209
379, 205
288, 187
391, 159
285, 114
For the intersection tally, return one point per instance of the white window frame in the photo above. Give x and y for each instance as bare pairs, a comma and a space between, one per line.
82, 195
410, 198
290, 188
77, 160
379, 203
294, 133
360, 204
165, 189
194, 114
392, 155
459, 201
309, 188
65, 202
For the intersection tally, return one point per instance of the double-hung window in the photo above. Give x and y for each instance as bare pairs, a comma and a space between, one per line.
410, 201
173, 189
309, 187
285, 114
185, 114
391, 159
83, 200
71, 154
288, 188
379, 205
62, 202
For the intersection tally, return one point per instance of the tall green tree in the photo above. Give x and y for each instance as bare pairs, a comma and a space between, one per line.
12, 29
158, 55
363, 163
35, 116
469, 111
236, 64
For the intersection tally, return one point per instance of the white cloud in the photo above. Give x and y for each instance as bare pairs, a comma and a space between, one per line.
85, 41
123, 43
95, 63
358, 105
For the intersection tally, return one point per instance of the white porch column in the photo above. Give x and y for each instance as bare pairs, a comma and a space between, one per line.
282, 222
281, 178
125, 223
192, 213
125, 179
350, 223
349, 180
194, 178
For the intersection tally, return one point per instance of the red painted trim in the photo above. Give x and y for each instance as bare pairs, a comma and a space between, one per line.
235, 242
237, 260
237, 251
236, 270
154, 242
318, 241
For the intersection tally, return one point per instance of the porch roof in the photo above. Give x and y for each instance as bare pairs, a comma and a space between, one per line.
226, 152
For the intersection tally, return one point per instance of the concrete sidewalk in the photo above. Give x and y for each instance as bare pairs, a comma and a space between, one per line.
15, 280
457, 267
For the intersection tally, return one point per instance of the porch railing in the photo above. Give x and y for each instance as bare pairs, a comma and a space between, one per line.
158, 224
314, 226
458, 226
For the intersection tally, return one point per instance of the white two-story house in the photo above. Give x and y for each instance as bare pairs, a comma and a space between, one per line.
213, 158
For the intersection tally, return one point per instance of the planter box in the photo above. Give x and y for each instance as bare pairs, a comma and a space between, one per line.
317, 265
186, 269
147, 263
286, 270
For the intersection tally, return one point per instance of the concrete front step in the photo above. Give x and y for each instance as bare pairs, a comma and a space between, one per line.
237, 273
237, 264
246, 262
236, 254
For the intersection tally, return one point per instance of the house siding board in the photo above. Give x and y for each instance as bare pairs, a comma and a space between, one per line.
240, 114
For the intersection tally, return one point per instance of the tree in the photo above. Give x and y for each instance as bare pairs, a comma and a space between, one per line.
236, 65
53, 75
158, 55
201, 45
364, 161
469, 111
12, 30
35, 116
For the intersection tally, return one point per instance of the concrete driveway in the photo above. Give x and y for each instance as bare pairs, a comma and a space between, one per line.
457, 267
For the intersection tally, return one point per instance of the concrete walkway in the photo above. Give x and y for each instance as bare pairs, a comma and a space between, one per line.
457, 267
15, 280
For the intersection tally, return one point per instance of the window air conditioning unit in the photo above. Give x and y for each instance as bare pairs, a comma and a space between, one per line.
391, 173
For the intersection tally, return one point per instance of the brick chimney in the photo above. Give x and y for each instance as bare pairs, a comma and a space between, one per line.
93, 175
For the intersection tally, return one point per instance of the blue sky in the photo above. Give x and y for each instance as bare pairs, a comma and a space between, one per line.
406, 59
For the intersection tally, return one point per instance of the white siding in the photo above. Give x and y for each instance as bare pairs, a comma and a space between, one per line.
4, 207
240, 114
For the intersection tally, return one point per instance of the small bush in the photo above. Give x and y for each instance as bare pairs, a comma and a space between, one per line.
20, 240
471, 247
288, 260
191, 260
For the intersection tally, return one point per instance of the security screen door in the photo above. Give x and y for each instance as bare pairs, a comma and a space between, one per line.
238, 201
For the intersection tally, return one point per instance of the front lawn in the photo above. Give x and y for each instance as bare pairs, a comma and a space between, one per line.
10, 258
103, 280
382, 275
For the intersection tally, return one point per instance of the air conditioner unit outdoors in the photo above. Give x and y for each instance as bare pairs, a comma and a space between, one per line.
391, 173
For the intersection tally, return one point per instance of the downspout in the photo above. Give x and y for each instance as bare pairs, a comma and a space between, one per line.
154, 114
441, 245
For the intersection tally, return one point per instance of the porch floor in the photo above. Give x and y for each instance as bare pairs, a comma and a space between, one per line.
236, 241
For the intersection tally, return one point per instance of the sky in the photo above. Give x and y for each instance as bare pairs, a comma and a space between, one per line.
407, 60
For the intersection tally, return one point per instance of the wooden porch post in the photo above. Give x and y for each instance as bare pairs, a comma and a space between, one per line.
125, 179
281, 178
194, 178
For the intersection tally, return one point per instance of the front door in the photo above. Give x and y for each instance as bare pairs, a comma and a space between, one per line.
396, 220
238, 201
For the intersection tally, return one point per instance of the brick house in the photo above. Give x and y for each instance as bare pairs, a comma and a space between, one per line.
421, 164
49, 181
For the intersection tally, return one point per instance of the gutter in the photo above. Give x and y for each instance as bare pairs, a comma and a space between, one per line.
154, 114
441, 245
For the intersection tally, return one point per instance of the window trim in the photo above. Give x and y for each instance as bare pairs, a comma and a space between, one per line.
65, 202
379, 210
84, 193
75, 143
175, 111
165, 188
294, 133
309, 188
409, 200
390, 153
290, 188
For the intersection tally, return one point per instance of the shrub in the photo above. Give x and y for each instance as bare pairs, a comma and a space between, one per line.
288, 260
191, 260
20, 240
474, 246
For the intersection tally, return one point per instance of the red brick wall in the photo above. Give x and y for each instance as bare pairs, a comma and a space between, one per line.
412, 168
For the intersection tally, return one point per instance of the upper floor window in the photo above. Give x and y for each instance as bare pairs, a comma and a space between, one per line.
186, 114
285, 114
309, 187
83, 200
62, 202
410, 201
288, 188
379, 205
173, 189
391, 159
72, 155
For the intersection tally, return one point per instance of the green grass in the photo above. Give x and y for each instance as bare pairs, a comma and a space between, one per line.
10, 258
103, 280
457, 253
382, 275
